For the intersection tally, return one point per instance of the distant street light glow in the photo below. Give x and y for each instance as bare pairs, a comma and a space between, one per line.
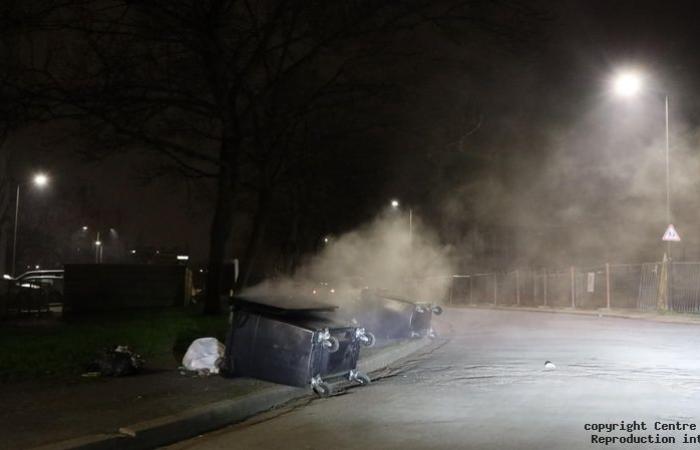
85, 228
627, 84
394, 203
98, 243
182, 257
41, 179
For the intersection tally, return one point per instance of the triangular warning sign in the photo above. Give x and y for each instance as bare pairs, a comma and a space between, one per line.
671, 234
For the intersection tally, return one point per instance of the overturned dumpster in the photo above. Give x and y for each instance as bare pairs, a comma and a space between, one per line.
391, 317
294, 341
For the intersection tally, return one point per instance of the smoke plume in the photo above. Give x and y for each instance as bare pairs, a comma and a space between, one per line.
391, 253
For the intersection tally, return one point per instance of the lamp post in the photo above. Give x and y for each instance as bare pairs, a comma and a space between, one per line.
395, 205
39, 180
628, 84
98, 249
111, 238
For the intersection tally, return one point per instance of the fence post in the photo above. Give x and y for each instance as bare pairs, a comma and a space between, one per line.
662, 300
573, 287
452, 288
544, 285
517, 287
471, 290
607, 285
495, 289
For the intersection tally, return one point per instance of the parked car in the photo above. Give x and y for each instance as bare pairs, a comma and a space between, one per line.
37, 289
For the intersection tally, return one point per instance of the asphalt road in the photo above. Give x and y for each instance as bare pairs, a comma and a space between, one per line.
487, 388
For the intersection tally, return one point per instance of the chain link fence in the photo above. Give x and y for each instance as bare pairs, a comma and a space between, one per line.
629, 286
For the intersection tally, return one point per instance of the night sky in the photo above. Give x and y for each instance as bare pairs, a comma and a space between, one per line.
479, 133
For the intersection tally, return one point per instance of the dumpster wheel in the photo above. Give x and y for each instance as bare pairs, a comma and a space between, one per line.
320, 387
370, 341
332, 344
437, 310
363, 379
359, 377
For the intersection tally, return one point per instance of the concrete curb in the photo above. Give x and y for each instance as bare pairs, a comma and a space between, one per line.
193, 422
677, 319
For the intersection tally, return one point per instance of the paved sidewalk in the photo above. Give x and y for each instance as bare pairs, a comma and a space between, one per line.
38, 413
35, 414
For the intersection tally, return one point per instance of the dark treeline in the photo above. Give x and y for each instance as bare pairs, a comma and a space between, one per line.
291, 113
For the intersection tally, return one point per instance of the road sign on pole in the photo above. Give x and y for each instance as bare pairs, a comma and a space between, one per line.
671, 235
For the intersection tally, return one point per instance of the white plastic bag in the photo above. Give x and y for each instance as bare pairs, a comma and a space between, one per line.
203, 354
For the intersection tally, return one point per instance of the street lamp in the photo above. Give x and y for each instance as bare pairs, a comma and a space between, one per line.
395, 205
40, 180
98, 249
628, 84
112, 235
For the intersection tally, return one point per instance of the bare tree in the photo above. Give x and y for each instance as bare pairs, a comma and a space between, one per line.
16, 18
206, 83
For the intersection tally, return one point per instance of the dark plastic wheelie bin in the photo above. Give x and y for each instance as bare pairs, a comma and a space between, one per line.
391, 317
292, 340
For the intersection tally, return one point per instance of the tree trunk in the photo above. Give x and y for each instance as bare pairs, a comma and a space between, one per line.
293, 242
220, 227
260, 220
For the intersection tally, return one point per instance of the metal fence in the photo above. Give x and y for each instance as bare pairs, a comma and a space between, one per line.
638, 286
30, 300
684, 288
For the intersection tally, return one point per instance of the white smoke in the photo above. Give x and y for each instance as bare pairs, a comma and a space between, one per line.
388, 253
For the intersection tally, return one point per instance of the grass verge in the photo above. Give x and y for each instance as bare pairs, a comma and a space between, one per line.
65, 348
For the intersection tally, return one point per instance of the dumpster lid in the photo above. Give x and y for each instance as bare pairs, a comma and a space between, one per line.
389, 296
282, 304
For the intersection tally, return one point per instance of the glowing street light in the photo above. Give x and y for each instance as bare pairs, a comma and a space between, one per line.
40, 180
98, 249
395, 205
628, 84
100, 244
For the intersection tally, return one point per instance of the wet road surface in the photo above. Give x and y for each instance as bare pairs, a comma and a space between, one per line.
486, 387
